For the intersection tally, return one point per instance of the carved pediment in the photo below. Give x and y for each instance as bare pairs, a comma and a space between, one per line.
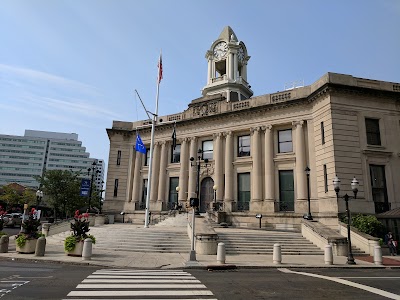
205, 109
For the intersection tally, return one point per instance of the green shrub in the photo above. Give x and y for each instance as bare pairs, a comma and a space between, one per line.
368, 224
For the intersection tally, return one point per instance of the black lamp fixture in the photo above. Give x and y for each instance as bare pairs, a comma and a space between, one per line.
94, 171
354, 188
39, 196
308, 216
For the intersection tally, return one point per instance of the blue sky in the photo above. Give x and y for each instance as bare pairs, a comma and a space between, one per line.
73, 66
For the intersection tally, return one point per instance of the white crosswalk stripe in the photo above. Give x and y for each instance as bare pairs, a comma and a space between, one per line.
137, 284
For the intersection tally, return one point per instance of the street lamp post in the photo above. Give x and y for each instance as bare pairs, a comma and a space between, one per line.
177, 197
94, 170
354, 187
39, 196
196, 202
308, 216
215, 187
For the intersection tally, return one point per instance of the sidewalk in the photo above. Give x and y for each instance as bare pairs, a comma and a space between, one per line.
148, 260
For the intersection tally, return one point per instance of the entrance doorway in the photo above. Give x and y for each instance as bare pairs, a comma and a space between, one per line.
206, 194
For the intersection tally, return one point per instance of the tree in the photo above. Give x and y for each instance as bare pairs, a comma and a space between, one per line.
10, 196
62, 189
29, 197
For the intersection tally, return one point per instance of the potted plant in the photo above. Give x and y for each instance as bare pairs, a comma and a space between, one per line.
73, 244
26, 240
4, 240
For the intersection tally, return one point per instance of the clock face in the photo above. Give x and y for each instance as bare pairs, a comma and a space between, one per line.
241, 54
220, 50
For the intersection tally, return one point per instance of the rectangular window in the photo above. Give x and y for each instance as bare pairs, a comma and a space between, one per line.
176, 154
373, 133
173, 194
286, 191
322, 133
244, 146
115, 187
325, 179
144, 190
379, 191
208, 149
119, 158
285, 141
243, 191
147, 160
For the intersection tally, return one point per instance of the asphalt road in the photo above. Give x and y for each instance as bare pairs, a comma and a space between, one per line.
12, 230
21, 281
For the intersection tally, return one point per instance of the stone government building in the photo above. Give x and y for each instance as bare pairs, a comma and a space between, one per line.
258, 148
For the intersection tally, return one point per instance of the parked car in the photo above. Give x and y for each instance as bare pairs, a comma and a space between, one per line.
12, 220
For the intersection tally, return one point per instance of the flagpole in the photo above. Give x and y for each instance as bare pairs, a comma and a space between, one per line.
147, 212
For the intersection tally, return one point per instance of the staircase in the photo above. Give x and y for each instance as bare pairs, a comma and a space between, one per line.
247, 241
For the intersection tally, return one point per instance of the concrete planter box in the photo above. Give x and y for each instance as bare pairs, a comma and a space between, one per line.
99, 220
77, 250
28, 248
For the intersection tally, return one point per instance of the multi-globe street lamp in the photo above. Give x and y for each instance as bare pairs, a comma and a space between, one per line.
215, 187
354, 187
177, 196
308, 216
39, 196
94, 171
195, 202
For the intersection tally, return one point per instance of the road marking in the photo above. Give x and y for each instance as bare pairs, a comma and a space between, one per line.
119, 284
138, 293
141, 281
359, 277
346, 282
140, 286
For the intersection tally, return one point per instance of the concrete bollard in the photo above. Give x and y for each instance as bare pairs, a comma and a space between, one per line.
277, 256
40, 246
87, 249
328, 257
378, 255
221, 253
4, 241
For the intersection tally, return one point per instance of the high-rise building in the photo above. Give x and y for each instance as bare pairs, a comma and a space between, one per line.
275, 154
23, 157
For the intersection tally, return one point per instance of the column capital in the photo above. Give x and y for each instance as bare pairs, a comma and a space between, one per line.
193, 139
298, 123
267, 127
219, 134
254, 129
185, 139
227, 133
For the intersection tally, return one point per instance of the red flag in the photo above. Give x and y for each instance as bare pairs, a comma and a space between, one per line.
160, 70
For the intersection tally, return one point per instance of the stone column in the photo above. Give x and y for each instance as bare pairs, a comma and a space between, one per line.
209, 71
244, 70
235, 66
183, 174
269, 169
228, 171
137, 178
132, 158
301, 177
155, 173
192, 169
256, 182
231, 67
218, 161
163, 174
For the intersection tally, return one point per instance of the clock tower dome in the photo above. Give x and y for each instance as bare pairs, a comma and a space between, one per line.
227, 68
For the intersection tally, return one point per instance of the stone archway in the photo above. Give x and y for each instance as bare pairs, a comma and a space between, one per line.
206, 194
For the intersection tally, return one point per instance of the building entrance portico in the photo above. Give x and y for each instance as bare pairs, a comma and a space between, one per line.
206, 194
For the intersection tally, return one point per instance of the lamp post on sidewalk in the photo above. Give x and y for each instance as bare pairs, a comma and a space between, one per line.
94, 171
308, 216
39, 196
354, 187
215, 187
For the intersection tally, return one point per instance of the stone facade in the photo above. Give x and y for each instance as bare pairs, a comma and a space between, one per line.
259, 148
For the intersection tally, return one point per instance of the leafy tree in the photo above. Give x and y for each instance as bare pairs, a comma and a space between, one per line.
62, 189
10, 196
29, 197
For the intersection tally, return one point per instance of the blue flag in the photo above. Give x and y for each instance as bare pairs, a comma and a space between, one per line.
139, 145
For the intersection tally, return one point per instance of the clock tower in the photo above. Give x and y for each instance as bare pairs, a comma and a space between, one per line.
227, 68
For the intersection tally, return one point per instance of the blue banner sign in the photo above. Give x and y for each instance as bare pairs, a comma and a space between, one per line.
85, 187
